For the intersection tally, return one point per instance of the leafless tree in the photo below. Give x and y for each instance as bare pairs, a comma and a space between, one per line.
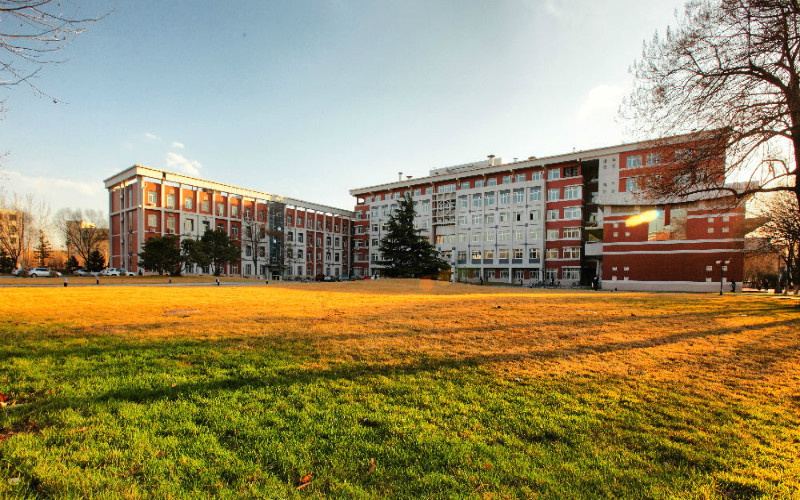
15, 228
82, 230
31, 32
255, 237
781, 231
730, 73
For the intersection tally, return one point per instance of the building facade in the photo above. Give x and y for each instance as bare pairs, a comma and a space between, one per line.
565, 218
279, 237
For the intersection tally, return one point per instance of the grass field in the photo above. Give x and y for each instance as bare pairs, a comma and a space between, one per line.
396, 389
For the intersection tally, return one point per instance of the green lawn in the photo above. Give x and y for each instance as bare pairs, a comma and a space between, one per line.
374, 396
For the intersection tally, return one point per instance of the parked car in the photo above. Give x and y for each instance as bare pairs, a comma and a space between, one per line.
115, 271
16, 271
42, 272
344, 278
320, 277
83, 272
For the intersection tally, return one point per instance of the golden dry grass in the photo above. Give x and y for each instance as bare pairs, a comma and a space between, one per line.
735, 345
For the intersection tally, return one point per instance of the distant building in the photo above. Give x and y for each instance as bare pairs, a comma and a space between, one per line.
563, 218
10, 233
303, 239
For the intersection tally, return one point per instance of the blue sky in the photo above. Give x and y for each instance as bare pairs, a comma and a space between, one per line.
311, 98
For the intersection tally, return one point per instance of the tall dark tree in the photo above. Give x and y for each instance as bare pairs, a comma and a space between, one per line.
96, 262
220, 249
72, 264
730, 72
7, 264
43, 249
406, 253
162, 255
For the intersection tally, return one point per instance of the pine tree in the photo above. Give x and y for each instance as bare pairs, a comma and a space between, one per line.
406, 253
96, 262
43, 249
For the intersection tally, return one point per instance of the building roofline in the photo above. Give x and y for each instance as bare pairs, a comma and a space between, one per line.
528, 163
168, 176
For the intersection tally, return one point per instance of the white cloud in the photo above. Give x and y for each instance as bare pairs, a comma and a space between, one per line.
59, 193
601, 102
178, 145
152, 137
551, 7
183, 164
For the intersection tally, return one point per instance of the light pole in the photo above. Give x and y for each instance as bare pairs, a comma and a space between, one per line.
723, 266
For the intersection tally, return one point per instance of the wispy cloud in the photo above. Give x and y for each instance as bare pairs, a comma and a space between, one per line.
178, 145
179, 162
601, 101
59, 193
553, 7
151, 137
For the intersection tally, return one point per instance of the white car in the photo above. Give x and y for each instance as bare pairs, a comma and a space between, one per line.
115, 271
42, 272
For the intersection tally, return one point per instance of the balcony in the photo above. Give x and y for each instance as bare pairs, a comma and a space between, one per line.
593, 249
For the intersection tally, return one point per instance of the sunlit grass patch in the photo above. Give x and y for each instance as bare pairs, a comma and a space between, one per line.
412, 389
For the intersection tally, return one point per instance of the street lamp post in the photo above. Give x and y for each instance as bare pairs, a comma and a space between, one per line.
723, 266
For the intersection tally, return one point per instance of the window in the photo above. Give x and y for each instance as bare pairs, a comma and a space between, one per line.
476, 236
572, 233
462, 237
519, 235
505, 197
476, 256
518, 216
462, 220
299, 237
234, 210
220, 226
476, 219
463, 202
491, 182
571, 273
519, 196
477, 200
504, 235
534, 234
634, 161
299, 254
572, 252
479, 183
204, 206
151, 220
489, 201
533, 253
653, 159
220, 208
554, 173
552, 234
572, 193
572, 213
465, 185
490, 235
151, 197
535, 215
299, 221
418, 192
506, 179
488, 255
552, 194
535, 194
503, 217
502, 254
536, 176
571, 171
518, 253
489, 219
552, 253
461, 256
631, 185
187, 203
552, 214
248, 251
519, 178
234, 230
170, 201
551, 274
171, 224
188, 225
